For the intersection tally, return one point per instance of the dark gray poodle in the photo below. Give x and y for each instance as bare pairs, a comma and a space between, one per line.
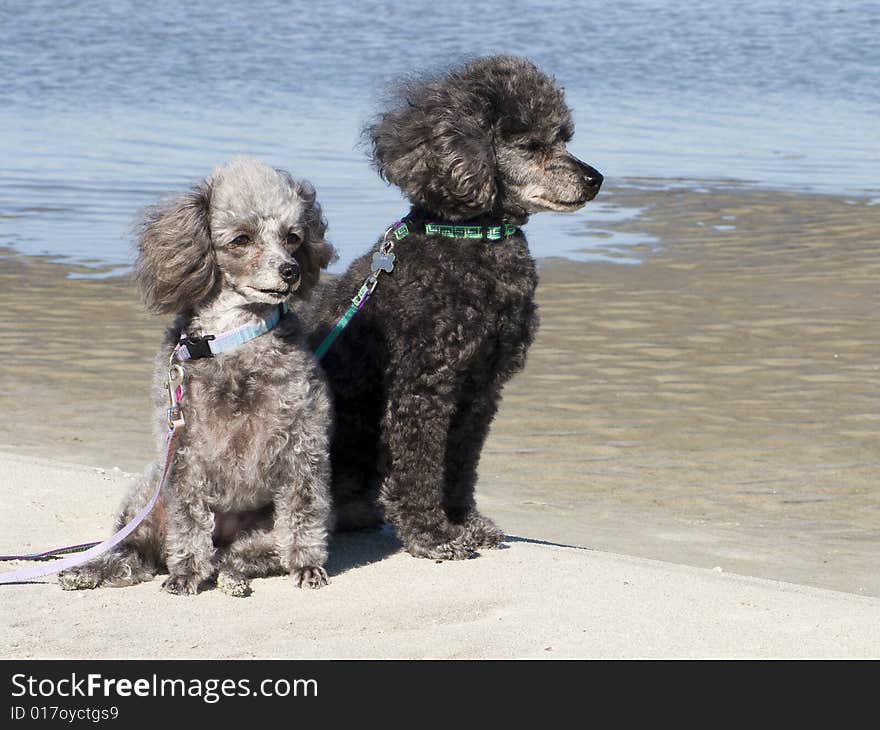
417, 375
248, 494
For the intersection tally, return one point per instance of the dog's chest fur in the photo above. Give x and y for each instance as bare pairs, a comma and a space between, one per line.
240, 410
477, 297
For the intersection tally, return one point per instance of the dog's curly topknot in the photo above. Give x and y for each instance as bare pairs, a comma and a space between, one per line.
436, 140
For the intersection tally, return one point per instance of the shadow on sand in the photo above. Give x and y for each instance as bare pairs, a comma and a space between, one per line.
350, 550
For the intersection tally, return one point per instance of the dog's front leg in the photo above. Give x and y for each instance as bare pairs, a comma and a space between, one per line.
415, 431
467, 434
303, 512
190, 548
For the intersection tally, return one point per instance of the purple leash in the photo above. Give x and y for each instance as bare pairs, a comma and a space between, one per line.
50, 553
56, 566
93, 550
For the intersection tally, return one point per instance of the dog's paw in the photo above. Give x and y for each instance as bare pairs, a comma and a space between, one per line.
309, 577
114, 570
234, 585
457, 548
78, 579
482, 532
181, 585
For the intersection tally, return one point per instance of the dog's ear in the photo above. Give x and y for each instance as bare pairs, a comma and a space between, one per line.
440, 158
315, 253
176, 268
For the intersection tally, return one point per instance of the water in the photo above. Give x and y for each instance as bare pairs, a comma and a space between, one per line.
106, 106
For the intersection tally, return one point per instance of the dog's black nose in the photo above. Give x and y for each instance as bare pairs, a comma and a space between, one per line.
289, 271
592, 176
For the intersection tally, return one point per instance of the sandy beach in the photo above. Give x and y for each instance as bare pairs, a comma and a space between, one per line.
687, 466
531, 600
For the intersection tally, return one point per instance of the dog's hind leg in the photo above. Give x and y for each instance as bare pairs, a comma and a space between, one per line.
125, 567
355, 459
138, 558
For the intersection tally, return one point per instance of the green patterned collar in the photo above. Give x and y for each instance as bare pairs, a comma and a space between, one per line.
403, 228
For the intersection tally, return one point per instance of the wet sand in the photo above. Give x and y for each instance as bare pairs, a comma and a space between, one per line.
715, 406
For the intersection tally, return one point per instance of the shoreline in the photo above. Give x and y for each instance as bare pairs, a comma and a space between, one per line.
714, 406
614, 222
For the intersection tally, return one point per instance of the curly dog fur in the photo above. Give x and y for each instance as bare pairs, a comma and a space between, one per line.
248, 494
417, 376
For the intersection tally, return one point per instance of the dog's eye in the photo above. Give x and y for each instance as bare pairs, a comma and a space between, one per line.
564, 135
533, 145
293, 238
241, 240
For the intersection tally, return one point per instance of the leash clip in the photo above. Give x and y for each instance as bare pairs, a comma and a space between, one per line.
399, 230
174, 386
386, 246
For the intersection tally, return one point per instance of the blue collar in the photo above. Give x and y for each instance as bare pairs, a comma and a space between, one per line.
195, 347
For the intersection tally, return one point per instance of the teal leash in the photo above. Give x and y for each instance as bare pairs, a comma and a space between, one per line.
359, 300
383, 260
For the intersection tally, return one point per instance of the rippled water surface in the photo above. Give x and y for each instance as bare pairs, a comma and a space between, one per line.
106, 106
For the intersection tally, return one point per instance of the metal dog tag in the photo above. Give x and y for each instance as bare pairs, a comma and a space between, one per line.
383, 261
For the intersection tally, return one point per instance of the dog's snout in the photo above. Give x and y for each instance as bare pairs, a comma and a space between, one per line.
289, 271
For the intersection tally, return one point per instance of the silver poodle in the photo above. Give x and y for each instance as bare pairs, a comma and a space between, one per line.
248, 494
